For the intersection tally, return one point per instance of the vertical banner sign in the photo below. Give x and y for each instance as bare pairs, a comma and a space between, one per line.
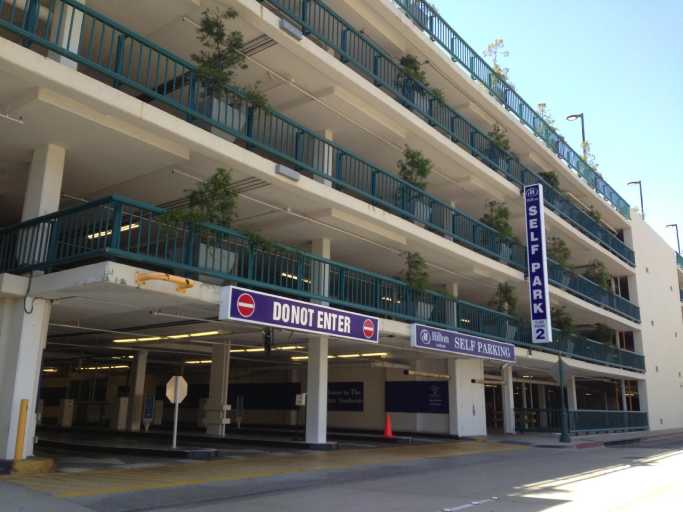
541, 330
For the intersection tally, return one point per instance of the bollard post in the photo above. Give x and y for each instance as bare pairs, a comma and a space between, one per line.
21, 430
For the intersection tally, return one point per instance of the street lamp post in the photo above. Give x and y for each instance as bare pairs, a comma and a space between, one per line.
574, 117
678, 240
640, 188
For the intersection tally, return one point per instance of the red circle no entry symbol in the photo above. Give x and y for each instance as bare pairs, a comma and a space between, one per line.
368, 328
245, 305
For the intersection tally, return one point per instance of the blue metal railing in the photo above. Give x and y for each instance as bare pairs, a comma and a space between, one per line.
590, 291
580, 421
355, 49
117, 228
132, 63
426, 17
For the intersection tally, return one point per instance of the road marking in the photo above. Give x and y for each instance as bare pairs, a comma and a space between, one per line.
470, 504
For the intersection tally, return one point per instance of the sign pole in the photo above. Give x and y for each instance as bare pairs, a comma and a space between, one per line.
175, 414
564, 418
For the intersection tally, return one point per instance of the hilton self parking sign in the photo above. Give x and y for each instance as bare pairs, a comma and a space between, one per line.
541, 330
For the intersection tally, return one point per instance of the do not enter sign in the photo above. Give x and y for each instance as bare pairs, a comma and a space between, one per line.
176, 389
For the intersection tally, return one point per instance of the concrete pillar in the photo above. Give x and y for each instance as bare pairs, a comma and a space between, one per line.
69, 32
318, 350
216, 405
452, 313
326, 159
571, 393
44, 185
136, 395
24, 323
466, 400
316, 391
22, 341
624, 405
508, 401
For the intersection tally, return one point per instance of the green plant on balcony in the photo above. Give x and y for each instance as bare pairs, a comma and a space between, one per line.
415, 168
213, 201
559, 251
221, 55
417, 278
588, 155
594, 214
597, 272
498, 136
602, 333
496, 52
544, 112
498, 218
258, 242
561, 320
551, 178
411, 68
504, 300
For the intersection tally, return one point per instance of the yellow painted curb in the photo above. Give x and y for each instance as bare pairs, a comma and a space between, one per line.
33, 466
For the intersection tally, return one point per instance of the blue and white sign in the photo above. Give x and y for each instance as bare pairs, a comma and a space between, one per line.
244, 305
541, 329
423, 336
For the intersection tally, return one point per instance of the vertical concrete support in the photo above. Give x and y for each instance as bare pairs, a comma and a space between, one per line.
22, 340
316, 391
622, 387
216, 405
136, 396
69, 33
571, 393
452, 313
24, 323
466, 401
318, 350
326, 158
44, 183
508, 401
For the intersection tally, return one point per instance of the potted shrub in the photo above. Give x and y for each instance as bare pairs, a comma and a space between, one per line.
214, 202
597, 272
415, 168
603, 334
497, 145
221, 55
564, 323
417, 277
551, 179
505, 301
595, 214
559, 252
411, 76
498, 218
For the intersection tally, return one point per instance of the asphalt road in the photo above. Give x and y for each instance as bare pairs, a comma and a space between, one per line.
635, 477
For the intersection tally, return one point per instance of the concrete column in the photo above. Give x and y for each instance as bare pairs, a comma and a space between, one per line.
466, 400
44, 185
320, 272
452, 313
136, 395
508, 401
571, 393
69, 32
318, 350
22, 341
624, 405
216, 405
316, 391
326, 159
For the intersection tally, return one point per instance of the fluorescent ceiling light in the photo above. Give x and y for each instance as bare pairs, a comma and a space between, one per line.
108, 232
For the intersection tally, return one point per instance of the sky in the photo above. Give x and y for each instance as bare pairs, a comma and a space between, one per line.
620, 62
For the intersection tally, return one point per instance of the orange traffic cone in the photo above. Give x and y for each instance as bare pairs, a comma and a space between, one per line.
388, 434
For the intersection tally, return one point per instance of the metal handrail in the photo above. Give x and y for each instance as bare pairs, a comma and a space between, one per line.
118, 228
426, 17
360, 53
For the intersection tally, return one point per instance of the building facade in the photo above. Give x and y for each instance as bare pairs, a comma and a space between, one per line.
107, 122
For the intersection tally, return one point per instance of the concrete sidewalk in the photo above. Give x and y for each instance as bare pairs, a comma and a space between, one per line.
552, 440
